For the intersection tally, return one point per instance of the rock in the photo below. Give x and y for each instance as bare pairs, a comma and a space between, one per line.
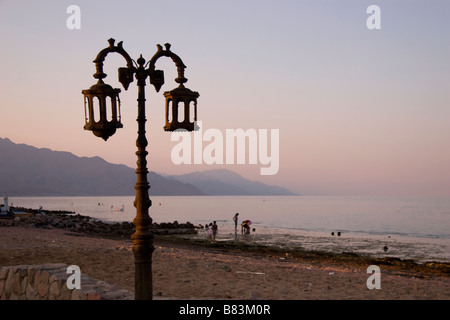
4, 273
9, 283
31, 293
15, 285
54, 290
77, 294
2, 287
42, 286
24, 284
94, 296
31, 273
85, 224
66, 293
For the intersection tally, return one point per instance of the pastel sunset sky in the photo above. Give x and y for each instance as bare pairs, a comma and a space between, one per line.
359, 111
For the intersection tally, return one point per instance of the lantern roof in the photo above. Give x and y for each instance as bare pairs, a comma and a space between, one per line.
181, 91
101, 88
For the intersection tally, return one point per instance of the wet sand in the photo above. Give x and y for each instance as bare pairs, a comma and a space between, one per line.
203, 270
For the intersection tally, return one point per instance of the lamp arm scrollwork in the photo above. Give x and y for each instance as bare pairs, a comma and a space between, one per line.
126, 74
175, 58
102, 55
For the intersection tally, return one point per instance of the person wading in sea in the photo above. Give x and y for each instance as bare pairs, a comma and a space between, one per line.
214, 231
235, 218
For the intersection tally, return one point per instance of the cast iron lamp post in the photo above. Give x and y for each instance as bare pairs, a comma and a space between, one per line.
102, 98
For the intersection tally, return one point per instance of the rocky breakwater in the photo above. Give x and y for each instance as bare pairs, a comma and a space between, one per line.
86, 224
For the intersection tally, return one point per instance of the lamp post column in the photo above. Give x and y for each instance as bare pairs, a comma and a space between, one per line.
142, 238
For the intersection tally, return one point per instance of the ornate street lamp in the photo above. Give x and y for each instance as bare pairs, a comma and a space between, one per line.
99, 93
101, 98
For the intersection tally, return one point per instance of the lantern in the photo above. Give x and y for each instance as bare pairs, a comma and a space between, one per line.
181, 109
101, 119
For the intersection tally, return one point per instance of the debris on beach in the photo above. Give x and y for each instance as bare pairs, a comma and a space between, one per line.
246, 272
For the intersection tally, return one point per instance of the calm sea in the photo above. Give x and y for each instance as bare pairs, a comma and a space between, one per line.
413, 228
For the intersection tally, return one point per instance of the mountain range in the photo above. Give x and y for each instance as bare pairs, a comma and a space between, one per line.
226, 182
29, 171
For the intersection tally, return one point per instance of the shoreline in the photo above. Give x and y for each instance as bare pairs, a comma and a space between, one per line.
269, 232
186, 235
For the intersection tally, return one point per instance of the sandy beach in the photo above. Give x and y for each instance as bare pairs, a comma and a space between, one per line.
182, 270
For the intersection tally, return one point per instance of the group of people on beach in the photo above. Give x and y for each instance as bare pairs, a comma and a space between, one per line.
212, 228
245, 225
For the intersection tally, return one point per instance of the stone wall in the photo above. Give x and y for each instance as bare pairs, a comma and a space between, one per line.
48, 282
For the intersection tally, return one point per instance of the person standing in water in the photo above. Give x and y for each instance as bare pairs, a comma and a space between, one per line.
214, 231
210, 231
235, 218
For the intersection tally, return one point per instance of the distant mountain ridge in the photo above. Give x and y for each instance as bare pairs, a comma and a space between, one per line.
226, 182
29, 171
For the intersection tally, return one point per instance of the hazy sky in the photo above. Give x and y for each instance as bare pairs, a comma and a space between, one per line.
359, 111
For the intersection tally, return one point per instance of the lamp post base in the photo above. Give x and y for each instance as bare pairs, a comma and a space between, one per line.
143, 250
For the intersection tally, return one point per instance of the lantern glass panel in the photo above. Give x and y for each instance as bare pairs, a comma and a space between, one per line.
181, 109
113, 109
169, 110
96, 108
86, 110
119, 115
174, 111
192, 113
